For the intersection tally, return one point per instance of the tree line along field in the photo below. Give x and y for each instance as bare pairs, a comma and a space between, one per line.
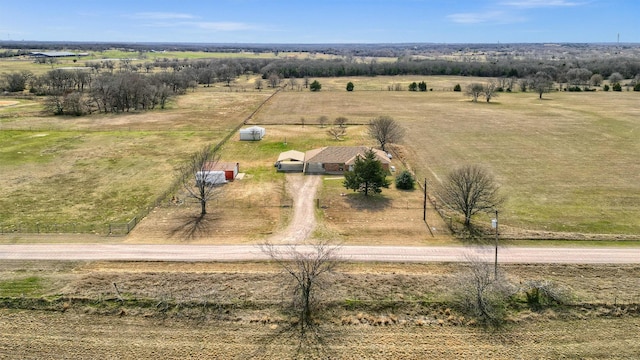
566, 163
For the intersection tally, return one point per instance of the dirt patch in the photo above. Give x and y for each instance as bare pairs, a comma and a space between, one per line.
4, 103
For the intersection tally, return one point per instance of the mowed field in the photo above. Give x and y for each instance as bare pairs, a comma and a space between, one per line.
567, 163
235, 310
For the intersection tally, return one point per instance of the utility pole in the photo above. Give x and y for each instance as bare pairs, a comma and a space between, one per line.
424, 203
495, 265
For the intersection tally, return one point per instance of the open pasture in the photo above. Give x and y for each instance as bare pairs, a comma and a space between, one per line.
103, 169
567, 163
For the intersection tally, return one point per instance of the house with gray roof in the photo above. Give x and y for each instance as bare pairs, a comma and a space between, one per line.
338, 159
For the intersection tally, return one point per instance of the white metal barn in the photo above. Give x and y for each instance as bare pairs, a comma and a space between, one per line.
252, 133
211, 177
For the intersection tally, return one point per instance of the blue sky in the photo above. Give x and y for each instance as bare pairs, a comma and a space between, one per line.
322, 21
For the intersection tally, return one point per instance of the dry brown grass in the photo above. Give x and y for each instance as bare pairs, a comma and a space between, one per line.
566, 163
386, 313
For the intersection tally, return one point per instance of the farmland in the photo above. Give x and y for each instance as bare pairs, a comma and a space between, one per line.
371, 311
565, 163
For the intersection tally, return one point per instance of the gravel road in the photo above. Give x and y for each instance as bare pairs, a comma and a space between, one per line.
130, 252
302, 188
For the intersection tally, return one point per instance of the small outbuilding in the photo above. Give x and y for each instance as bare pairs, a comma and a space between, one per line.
229, 169
290, 161
252, 133
210, 177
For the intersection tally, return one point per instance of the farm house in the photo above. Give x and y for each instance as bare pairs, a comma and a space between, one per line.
290, 161
253, 133
338, 159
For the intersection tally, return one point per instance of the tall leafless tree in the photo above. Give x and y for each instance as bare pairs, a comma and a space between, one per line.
541, 83
293, 82
306, 265
469, 190
385, 130
195, 180
474, 90
274, 80
490, 90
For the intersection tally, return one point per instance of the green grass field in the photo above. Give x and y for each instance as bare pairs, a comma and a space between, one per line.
567, 163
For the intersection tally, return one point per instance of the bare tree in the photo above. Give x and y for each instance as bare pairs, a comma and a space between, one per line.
340, 121
322, 121
293, 82
469, 190
385, 130
541, 83
258, 84
474, 90
482, 294
615, 78
306, 265
337, 132
596, 80
490, 90
274, 80
198, 179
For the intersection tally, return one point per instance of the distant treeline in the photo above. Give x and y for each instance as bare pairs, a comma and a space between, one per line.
122, 85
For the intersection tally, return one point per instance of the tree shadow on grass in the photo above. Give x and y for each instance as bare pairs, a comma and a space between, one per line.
193, 226
358, 201
288, 342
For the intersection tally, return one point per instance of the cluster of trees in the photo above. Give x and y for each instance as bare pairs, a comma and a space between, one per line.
78, 93
422, 86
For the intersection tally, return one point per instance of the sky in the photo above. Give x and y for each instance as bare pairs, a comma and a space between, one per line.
322, 21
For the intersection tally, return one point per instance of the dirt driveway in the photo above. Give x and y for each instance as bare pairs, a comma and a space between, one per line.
302, 189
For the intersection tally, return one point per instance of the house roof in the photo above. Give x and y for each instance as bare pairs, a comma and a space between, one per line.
342, 154
53, 54
219, 166
252, 128
291, 155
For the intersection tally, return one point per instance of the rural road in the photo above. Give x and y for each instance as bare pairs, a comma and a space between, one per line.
129, 252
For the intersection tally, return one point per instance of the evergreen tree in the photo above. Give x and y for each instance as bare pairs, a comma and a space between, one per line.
367, 175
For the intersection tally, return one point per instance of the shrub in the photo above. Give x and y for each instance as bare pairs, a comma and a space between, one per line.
636, 87
617, 87
457, 88
413, 86
422, 86
350, 86
605, 87
405, 180
482, 295
543, 293
315, 86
